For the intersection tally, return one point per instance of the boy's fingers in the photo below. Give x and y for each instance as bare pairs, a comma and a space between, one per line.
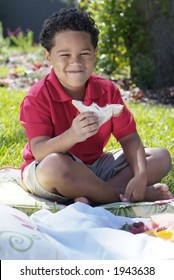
127, 195
123, 198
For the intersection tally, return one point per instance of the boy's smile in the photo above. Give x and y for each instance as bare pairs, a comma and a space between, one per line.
73, 57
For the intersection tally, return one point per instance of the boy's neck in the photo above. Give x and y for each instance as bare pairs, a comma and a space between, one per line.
77, 94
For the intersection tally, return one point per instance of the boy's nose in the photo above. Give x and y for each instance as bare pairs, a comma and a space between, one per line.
76, 61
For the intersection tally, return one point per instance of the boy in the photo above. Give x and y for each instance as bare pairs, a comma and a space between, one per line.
64, 158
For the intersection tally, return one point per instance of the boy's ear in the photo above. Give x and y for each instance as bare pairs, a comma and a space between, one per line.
47, 56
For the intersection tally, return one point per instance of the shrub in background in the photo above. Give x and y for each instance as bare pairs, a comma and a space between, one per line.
131, 45
21, 39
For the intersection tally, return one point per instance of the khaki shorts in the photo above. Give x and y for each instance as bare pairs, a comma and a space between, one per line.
107, 166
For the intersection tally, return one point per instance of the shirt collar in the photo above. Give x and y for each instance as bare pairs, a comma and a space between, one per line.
93, 89
55, 88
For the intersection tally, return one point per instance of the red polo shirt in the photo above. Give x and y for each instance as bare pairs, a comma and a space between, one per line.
47, 110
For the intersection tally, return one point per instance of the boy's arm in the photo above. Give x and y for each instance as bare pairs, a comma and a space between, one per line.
135, 155
83, 126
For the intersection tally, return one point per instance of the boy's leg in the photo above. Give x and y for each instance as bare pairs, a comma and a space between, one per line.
59, 173
158, 166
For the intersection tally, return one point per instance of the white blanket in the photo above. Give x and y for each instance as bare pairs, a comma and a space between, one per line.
93, 233
78, 231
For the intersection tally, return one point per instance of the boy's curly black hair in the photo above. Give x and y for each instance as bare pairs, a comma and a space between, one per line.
71, 19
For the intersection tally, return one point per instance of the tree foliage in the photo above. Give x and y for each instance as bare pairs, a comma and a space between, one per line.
127, 47
113, 60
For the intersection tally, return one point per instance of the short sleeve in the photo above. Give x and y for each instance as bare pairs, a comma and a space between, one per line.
124, 124
35, 117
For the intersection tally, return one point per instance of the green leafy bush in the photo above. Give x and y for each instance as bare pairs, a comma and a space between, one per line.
113, 61
21, 39
127, 46
4, 44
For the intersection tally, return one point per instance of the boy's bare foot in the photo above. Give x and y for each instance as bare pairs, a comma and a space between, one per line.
158, 191
83, 200
155, 192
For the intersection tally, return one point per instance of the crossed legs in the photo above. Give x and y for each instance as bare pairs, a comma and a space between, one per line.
59, 173
158, 166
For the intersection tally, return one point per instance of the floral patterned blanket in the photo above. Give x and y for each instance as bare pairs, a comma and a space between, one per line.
141, 209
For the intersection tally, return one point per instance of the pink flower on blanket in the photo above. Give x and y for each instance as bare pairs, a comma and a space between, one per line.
25, 223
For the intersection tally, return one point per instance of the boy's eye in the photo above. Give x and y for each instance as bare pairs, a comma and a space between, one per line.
65, 54
85, 54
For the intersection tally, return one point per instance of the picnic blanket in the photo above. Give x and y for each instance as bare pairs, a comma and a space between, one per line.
77, 232
12, 193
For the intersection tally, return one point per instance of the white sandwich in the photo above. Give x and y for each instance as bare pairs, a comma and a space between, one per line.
104, 113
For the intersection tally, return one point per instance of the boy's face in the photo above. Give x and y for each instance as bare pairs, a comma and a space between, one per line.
73, 57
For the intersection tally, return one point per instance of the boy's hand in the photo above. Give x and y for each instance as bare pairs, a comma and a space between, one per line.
135, 189
84, 126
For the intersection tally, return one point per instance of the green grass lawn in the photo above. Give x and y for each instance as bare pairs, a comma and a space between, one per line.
155, 126
12, 137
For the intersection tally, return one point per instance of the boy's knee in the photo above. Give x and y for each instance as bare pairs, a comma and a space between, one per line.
55, 166
165, 159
